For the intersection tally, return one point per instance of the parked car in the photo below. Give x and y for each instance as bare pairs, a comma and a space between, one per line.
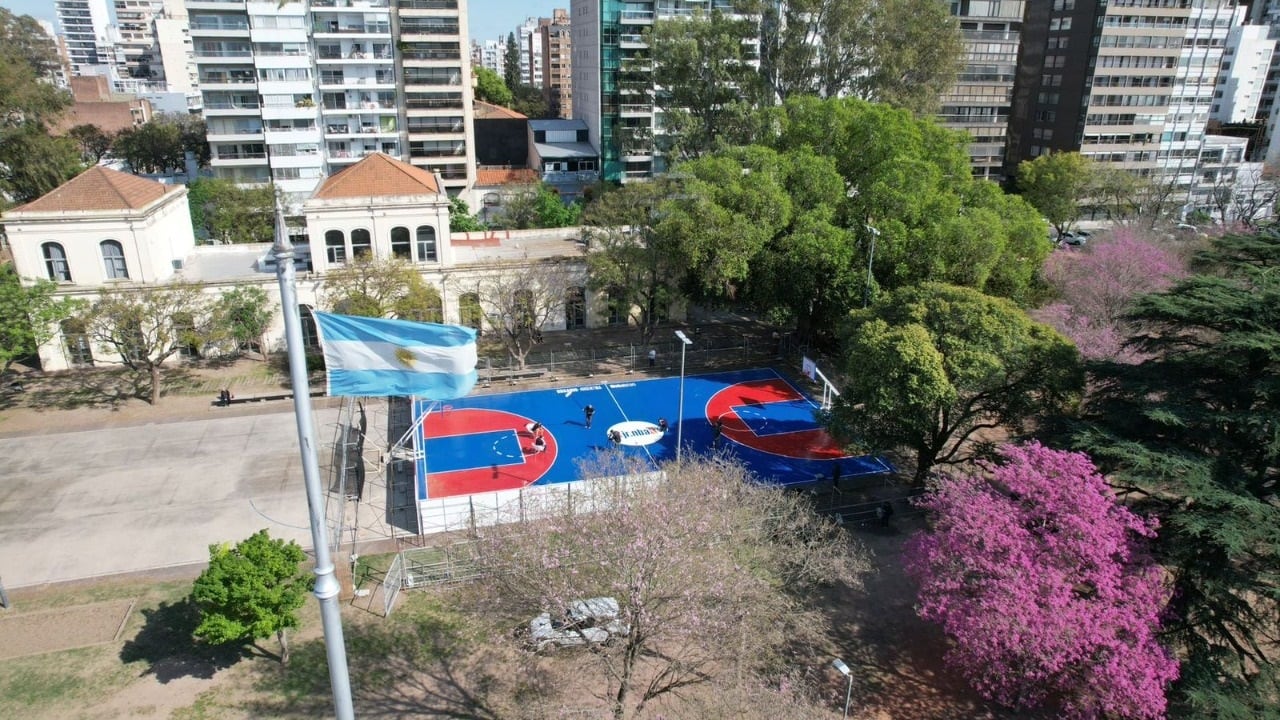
584, 622
1075, 238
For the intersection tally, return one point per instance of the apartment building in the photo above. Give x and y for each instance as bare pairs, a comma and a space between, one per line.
1129, 83
296, 92
86, 29
979, 102
1245, 63
530, 42
557, 63
488, 54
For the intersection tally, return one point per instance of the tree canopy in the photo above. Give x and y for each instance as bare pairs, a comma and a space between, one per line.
382, 288
28, 316
948, 362
251, 591
1190, 434
491, 88
1044, 587
243, 314
227, 213
1056, 184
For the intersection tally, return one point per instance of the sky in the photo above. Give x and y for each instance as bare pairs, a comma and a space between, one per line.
488, 19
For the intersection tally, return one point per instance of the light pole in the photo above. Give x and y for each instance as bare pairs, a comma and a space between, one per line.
844, 669
871, 256
684, 343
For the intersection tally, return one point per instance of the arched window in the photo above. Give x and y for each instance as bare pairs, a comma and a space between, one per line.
76, 339
335, 247
361, 244
469, 311
617, 314
575, 308
400, 246
310, 338
427, 244
55, 262
113, 258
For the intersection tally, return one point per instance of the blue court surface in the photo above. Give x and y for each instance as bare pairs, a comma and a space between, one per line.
485, 443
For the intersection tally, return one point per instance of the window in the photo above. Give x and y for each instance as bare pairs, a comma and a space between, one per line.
184, 326
361, 244
55, 262
616, 314
427, 244
400, 247
469, 312
113, 257
310, 338
335, 247
76, 339
575, 308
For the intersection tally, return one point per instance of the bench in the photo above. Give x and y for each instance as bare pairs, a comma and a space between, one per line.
260, 398
511, 376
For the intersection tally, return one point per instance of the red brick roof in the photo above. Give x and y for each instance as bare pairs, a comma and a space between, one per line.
377, 175
506, 176
100, 188
488, 111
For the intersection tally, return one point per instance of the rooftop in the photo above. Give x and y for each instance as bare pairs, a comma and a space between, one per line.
488, 111
565, 150
100, 189
377, 175
488, 177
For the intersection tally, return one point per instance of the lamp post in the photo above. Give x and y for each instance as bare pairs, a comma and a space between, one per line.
871, 256
848, 693
684, 343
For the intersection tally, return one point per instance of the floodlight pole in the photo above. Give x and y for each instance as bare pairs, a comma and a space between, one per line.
684, 343
327, 588
871, 256
848, 693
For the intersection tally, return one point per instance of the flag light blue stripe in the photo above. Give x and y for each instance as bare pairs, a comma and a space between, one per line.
376, 357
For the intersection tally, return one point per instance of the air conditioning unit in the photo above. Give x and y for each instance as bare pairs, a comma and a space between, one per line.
178, 264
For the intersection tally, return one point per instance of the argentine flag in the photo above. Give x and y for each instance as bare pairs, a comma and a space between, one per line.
373, 357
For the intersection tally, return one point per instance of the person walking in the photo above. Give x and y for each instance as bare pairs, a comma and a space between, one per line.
653, 357
615, 437
588, 412
716, 431
663, 425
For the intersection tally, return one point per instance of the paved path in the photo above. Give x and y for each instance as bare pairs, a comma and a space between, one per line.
81, 504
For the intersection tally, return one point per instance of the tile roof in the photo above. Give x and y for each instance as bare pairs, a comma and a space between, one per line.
488, 111
506, 176
378, 175
100, 188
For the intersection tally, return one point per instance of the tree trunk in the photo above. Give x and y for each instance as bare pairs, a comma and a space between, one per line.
284, 646
924, 463
155, 384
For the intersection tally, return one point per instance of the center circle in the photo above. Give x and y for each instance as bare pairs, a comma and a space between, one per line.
636, 433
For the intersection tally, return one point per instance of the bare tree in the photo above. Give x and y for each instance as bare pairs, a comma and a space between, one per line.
1247, 195
380, 288
521, 299
147, 326
711, 571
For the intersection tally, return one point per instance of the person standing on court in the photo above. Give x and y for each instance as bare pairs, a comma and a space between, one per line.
663, 425
716, 430
653, 357
588, 412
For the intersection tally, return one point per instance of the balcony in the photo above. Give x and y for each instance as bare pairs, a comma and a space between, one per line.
333, 28
428, 4
637, 17
349, 4
200, 25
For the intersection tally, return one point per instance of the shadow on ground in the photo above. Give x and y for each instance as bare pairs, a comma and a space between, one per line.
405, 667
165, 644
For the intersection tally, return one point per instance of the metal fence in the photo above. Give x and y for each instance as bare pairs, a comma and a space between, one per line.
392, 583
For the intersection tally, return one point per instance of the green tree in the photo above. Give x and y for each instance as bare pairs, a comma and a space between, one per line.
146, 326
243, 315
901, 52
491, 88
194, 135
31, 162
92, 141
709, 80
909, 179
22, 39
381, 288
251, 591
552, 210
228, 213
29, 315
528, 101
1190, 435
949, 362
155, 147
511, 63
1056, 184
461, 219
640, 269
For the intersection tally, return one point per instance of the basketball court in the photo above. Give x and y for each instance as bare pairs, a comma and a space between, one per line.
486, 443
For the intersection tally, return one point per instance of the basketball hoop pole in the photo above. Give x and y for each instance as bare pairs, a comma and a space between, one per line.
327, 588
684, 343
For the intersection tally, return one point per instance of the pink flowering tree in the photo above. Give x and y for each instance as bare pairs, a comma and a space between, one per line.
1097, 284
1041, 581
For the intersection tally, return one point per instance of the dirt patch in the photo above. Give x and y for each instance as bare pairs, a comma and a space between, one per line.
62, 629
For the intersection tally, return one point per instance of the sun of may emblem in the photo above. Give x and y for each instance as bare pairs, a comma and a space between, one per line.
405, 356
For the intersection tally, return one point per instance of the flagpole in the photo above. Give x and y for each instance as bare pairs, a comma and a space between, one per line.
327, 588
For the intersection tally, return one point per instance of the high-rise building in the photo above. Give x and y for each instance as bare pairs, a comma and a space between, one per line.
1245, 63
1129, 83
978, 103
557, 63
137, 44
293, 92
86, 27
530, 42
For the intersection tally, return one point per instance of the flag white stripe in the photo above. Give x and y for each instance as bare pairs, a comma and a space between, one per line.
356, 355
